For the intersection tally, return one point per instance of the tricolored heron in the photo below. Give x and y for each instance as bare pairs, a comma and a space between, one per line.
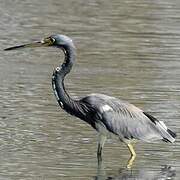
104, 113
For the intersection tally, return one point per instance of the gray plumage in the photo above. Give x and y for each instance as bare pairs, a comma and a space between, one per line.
102, 112
126, 120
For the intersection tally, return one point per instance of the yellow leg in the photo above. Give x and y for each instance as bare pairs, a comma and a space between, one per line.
133, 156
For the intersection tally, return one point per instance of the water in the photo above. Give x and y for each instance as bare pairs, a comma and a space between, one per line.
128, 49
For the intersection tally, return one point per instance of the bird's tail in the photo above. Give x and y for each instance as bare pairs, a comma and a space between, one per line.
173, 134
167, 134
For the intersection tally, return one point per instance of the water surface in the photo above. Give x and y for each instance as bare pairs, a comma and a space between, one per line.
125, 49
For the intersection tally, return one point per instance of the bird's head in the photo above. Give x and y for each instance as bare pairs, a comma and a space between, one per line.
60, 41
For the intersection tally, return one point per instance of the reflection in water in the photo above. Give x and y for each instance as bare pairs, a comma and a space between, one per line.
163, 173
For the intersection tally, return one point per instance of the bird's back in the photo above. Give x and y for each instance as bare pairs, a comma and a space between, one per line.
124, 119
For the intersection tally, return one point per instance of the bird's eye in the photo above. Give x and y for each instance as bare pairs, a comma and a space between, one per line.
48, 41
52, 40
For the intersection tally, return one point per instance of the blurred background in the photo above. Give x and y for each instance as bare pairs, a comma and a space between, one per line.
125, 48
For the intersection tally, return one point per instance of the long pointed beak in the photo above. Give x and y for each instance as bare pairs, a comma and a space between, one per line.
34, 44
43, 43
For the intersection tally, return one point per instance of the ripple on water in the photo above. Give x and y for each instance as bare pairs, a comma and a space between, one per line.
124, 48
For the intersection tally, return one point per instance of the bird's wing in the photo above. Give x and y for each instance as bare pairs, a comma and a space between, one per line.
126, 120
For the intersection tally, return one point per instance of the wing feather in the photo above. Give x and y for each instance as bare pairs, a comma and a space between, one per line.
126, 120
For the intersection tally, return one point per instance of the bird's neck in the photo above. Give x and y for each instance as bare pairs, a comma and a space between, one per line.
70, 56
63, 98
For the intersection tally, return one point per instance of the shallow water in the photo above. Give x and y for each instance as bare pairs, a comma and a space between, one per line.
125, 49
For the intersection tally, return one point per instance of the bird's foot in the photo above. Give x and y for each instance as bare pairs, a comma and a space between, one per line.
133, 156
130, 161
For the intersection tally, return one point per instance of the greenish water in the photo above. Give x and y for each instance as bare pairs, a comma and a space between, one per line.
128, 49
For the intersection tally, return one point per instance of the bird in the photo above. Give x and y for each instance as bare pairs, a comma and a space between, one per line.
104, 113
